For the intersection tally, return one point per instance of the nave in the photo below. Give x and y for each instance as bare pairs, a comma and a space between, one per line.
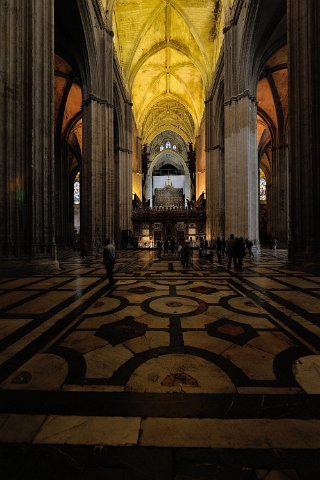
183, 374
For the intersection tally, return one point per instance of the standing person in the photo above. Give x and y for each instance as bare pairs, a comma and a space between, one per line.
223, 249
83, 249
206, 246
231, 251
109, 258
249, 246
240, 249
274, 244
186, 255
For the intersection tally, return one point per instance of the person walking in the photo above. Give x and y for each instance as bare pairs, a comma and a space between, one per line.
231, 251
186, 255
109, 258
249, 246
274, 244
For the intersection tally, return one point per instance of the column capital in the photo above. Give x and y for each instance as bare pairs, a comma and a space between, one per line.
94, 98
214, 147
240, 96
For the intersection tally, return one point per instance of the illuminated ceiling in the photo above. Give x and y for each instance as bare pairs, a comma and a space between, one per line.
167, 50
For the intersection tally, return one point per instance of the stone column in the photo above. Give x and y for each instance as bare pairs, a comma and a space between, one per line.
241, 167
214, 174
27, 131
125, 164
279, 194
97, 179
304, 137
98, 172
241, 152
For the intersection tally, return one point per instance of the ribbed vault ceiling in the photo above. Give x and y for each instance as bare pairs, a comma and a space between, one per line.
167, 50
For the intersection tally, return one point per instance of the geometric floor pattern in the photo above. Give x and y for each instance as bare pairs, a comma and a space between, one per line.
174, 373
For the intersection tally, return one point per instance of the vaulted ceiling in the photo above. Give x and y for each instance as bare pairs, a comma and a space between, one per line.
167, 50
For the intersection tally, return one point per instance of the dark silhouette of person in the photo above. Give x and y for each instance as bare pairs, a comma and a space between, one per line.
249, 246
83, 249
231, 251
186, 255
240, 249
223, 249
109, 258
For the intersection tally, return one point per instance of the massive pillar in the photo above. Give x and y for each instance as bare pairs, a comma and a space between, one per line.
279, 200
98, 172
241, 152
304, 133
27, 130
125, 170
214, 172
241, 167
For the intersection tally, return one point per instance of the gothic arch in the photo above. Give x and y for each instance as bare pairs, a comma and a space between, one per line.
171, 158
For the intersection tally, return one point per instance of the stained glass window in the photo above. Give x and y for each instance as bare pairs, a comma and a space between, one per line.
76, 190
168, 144
263, 187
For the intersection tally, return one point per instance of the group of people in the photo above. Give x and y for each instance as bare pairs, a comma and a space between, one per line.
234, 248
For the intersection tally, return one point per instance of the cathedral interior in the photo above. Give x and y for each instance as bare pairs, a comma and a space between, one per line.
154, 122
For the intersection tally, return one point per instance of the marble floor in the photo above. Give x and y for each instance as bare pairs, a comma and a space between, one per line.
183, 374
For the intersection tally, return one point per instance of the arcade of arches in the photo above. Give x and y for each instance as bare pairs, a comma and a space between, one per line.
141, 121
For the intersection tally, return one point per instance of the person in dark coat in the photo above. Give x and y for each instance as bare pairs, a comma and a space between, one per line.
240, 253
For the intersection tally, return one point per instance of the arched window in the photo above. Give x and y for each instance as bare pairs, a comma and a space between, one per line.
161, 148
168, 144
263, 187
76, 190
174, 147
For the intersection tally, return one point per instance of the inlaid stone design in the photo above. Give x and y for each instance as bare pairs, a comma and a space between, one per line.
178, 305
143, 289
180, 378
121, 331
22, 378
235, 332
174, 304
204, 290
230, 329
98, 304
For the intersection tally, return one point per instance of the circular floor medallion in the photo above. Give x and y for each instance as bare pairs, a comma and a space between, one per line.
179, 305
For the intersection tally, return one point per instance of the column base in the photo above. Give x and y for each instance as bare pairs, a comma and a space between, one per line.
308, 266
11, 267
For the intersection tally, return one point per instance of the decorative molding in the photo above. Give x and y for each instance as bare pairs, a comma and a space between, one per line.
236, 16
124, 150
101, 16
236, 98
94, 98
